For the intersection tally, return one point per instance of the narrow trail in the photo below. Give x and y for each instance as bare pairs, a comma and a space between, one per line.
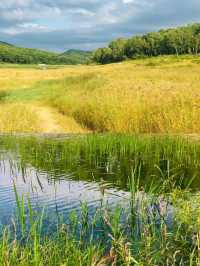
51, 121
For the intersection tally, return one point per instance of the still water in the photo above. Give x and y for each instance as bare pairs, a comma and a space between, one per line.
61, 174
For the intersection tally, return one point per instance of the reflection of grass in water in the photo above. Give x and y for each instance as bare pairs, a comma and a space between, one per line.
138, 235
113, 157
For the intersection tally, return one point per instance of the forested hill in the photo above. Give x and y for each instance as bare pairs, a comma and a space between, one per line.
5, 43
180, 40
78, 56
12, 54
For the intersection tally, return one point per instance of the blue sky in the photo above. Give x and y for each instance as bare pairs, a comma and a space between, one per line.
87, 24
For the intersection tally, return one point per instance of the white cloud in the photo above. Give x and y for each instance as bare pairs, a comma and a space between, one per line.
14, 3
26, 28
127, 1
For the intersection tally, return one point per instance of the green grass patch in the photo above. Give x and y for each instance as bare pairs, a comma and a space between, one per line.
53, 90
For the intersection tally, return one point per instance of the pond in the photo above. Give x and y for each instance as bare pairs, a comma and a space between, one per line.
61, 173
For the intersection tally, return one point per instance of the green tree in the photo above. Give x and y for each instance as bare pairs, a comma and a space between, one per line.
181, 40
103, 55
136, 47
118, 49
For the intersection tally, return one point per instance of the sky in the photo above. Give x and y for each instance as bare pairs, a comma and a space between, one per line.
59, 25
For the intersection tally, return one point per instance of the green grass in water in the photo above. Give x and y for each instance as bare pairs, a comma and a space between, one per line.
139, 234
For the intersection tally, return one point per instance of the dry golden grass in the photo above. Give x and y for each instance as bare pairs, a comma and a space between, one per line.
19, 78
139, 99
51, 121
26, 118
18, 118
158, 95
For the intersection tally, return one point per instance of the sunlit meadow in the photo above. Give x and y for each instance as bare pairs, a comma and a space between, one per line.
159, 95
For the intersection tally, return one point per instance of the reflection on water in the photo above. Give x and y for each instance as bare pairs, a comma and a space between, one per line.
61, 174
56, 192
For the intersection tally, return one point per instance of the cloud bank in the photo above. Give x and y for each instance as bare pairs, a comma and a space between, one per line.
88, 24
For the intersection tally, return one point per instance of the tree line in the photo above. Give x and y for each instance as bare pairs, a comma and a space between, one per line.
174, 41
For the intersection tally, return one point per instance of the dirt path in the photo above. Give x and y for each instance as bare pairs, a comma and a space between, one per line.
53, 122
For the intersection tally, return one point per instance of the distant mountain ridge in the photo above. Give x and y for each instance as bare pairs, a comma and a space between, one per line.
5, 43
79, 55
12, 54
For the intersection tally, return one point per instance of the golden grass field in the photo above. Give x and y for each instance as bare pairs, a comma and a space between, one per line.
160, 95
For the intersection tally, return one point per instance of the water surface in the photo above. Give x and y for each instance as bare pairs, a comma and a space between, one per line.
61, 174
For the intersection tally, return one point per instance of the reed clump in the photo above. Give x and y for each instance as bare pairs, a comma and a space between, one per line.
145, 232
157, 222
116, 155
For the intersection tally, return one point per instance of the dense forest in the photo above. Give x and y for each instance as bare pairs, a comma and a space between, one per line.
12, 54
175, 41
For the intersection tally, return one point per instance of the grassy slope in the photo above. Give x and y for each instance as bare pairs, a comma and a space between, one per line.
159, 95
12, 54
